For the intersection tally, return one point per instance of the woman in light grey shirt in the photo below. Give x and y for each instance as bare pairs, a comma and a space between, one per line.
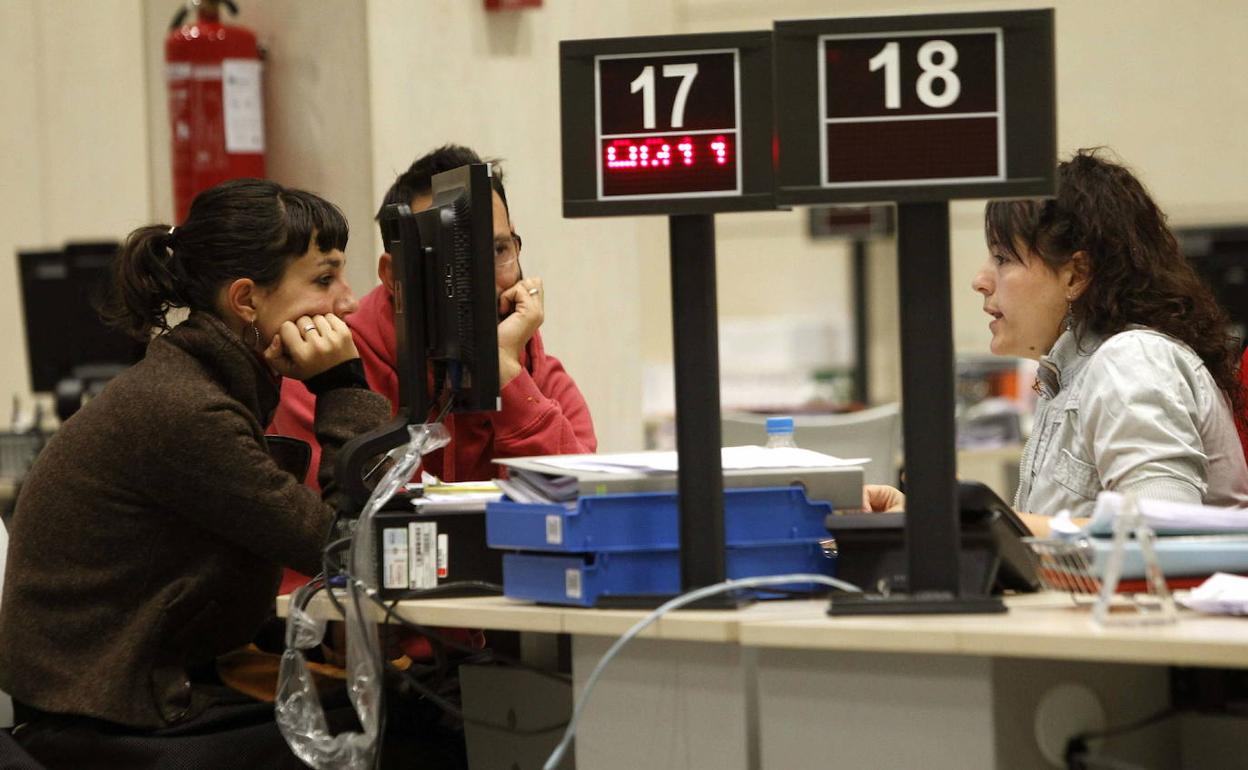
1138, 377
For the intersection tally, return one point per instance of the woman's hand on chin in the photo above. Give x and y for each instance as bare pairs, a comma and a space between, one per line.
310, 345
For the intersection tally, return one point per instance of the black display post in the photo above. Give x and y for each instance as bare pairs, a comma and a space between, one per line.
681, 126
695, 339
927, 413
912, 109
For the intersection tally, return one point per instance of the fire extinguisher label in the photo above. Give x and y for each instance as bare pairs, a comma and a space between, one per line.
243, 107
178, 70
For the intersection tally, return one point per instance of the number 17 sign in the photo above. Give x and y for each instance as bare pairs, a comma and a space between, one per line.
667, 124
658, 135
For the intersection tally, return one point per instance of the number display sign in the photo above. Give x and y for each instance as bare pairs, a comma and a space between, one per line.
946, 123
913, 108
667, 125
688, 147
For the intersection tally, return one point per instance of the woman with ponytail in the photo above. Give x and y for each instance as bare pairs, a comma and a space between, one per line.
1138, 386
149, 535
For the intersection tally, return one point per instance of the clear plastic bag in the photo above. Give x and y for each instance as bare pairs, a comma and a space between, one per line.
300, 715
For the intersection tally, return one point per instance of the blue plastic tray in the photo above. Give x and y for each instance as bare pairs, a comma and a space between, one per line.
584, 579
650, 521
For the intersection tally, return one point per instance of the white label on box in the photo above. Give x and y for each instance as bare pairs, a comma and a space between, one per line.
554, 529
444, 555
243, 106
423, 537
572, 583
394, 557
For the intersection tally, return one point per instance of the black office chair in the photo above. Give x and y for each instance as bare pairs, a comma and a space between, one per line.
13, 756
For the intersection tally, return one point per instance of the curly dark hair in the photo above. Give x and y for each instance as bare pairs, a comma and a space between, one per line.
1137, 273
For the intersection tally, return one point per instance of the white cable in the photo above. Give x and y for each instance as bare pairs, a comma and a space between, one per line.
556, 756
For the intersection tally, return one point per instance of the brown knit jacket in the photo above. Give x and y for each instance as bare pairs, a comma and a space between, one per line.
149, 536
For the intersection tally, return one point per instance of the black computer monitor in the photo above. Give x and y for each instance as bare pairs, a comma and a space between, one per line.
62, 292
445, 308
445, 315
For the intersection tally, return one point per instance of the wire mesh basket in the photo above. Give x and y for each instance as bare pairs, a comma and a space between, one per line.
1065, 565
1068, 566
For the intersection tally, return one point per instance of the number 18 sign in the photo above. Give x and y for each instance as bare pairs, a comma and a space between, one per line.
667, 124
915, 107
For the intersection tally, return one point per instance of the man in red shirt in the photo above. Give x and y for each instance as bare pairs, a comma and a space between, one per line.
1242, 423
542, 413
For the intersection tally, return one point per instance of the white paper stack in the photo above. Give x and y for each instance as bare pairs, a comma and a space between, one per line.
1221, 594
1167, 518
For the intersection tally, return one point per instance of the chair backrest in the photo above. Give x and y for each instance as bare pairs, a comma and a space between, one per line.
874, 433
6, 703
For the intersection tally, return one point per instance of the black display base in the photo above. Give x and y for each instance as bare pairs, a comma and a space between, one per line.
927, 603
727, 601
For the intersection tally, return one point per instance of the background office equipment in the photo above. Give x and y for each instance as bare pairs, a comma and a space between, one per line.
676, 125
783, 362
859, 224
858, 120
873, 433
1220, 255
70, 350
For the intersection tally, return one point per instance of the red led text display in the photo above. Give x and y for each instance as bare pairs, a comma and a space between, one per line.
912, 107
668, 124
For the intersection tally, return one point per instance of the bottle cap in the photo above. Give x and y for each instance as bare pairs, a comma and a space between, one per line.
779, 425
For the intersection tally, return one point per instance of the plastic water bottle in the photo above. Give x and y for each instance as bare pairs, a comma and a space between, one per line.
780, 432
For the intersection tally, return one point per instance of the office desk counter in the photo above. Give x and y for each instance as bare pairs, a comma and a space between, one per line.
781, 685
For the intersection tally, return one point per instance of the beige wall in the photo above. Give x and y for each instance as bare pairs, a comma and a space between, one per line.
355, 89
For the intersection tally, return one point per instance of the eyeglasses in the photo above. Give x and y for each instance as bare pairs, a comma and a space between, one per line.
506, 251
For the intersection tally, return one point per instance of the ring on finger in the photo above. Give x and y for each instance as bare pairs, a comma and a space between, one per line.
309, 328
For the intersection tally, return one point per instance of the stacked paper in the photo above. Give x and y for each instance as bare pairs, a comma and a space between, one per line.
1221, 594
1167, 518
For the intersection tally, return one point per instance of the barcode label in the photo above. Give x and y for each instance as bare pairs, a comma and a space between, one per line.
444, 555
394, 558
554, 529
572, 583
423, 572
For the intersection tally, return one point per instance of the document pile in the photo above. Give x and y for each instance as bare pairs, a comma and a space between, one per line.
434, 495
1193, 541
566, 478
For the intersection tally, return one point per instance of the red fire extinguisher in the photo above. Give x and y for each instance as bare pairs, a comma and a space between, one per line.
216, 113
